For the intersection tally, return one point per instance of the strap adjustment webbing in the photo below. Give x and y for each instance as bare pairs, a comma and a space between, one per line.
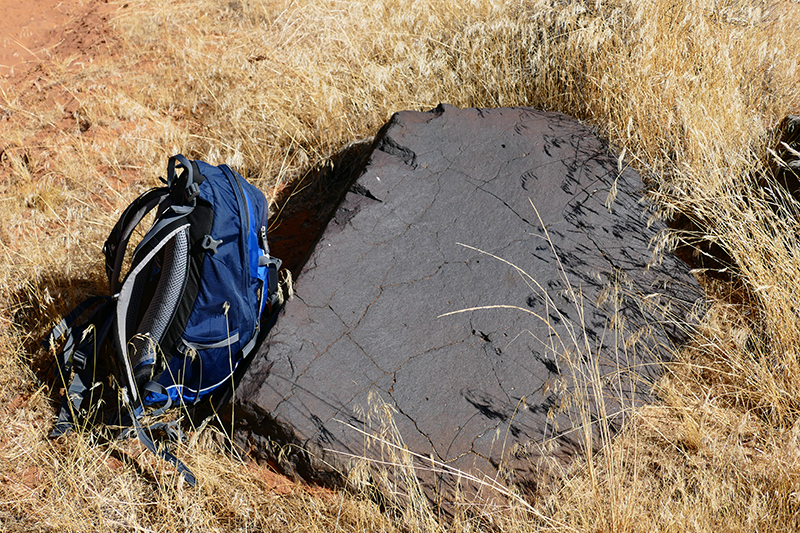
146, 438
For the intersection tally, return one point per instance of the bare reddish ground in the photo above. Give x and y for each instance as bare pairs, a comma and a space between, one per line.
27, 31
38, 30
45, 42
76, 33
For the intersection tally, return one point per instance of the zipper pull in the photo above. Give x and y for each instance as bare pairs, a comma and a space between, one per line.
263, 236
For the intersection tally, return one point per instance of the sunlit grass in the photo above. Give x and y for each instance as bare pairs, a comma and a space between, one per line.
688, 91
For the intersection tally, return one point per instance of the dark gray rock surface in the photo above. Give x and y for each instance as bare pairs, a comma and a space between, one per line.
458, 209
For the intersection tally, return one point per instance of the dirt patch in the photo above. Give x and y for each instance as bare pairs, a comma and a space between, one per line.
39, 30
277, 483
43, 33
38, 36
27, 29
49, 51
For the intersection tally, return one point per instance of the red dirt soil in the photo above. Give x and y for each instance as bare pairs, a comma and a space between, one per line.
35, 33
38, 30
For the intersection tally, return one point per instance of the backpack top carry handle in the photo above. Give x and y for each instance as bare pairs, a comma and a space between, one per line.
180, 190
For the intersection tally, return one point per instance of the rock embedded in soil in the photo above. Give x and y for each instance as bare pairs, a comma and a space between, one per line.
489, 273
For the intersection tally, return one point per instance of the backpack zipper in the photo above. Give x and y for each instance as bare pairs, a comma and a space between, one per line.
238, 190
244, 211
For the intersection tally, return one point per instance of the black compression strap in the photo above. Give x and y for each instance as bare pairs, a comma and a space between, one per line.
162, 452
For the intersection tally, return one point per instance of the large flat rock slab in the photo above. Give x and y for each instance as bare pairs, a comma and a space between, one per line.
487, 278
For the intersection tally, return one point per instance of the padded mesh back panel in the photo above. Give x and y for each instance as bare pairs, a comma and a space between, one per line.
165, 299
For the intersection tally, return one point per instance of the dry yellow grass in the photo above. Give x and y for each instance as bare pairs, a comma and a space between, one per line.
688, 90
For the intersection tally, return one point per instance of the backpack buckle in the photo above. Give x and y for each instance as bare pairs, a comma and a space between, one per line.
79, 359
210, 244
192, 192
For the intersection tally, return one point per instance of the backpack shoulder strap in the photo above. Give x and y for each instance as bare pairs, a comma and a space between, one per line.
117, 242
145, 437
181, 190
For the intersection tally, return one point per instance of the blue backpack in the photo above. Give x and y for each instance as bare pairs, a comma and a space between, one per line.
189, 310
